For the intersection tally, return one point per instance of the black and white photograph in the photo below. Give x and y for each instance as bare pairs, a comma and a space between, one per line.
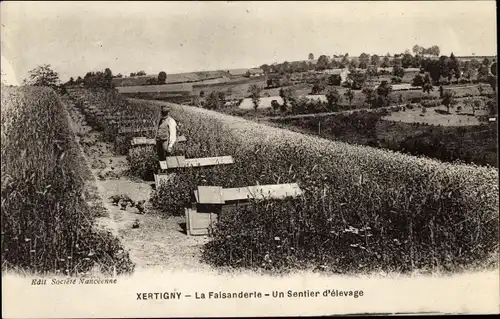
249, 158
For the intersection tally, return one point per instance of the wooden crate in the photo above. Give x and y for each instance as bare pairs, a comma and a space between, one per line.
211, 201
199, 224
162, 179
151, 141
174, 162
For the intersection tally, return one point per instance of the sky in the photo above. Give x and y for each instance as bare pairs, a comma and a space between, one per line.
77, 37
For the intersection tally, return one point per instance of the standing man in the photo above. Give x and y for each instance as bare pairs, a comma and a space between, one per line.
167, 134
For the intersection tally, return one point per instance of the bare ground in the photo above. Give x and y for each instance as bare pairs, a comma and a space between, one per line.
158, 242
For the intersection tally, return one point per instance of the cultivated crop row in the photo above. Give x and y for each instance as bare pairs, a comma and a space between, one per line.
119, 120
47, 225
363, 208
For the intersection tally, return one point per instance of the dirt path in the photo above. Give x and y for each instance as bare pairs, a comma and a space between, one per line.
158, 242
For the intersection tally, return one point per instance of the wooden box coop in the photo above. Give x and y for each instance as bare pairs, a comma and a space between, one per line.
172, 163
211, 201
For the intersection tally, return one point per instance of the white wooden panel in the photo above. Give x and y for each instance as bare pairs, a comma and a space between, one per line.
143, 141
276, 191
231, 194
210, 195
199, 223
209, 161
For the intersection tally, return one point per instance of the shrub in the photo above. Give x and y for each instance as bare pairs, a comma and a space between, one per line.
46, 223
143, 161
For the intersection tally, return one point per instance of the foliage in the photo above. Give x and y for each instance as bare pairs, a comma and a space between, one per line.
255, 91
449, 100
349, 94
143, 161
215, 100
288, 95
99, 79
47, 226
370, 207
334, 98
42, 75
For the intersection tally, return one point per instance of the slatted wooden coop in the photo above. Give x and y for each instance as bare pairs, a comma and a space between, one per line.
173, 163
211, 201
136, 141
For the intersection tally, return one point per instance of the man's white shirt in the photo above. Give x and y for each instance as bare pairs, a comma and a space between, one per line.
168, 128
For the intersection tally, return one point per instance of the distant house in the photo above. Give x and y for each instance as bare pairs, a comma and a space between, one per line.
343, 73
246, 72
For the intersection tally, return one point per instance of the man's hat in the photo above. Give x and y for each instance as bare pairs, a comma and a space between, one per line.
165, 111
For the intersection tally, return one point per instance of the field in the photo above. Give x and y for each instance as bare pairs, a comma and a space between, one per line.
363, 210
48, 206
453, 137
171, 78
365, 204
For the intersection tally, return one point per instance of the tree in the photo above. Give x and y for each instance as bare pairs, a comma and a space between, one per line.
333, 97
353, 64
383, 90
371, 71
434, 50
311, 56
483, 73
322, 62
417, 50
349, 94
345, 62
254, 91
215, 100
71, 81
275, 105
386, 62
358, 79
364, 60
407, 60
162, 77
288, 95
375, 60
449, 100
418, 80
398, 71
370, 94
265, 68
141, 73
454, 66
427, 85
469, 71
433, 68
317, 88
108, 78
42, 75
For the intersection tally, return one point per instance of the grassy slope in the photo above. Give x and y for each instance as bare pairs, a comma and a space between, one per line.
363, 208
46, 224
